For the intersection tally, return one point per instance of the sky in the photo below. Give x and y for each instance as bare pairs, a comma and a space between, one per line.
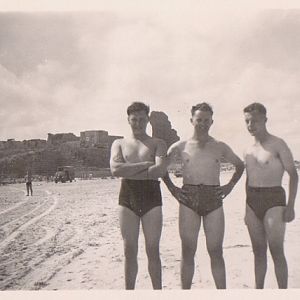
71, 69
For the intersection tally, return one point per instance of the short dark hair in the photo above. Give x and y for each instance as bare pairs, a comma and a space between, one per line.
138, 106
202, 106
255, 106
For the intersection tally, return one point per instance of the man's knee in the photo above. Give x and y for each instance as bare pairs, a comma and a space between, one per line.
188, 250
152, 251
276, 250
260, 251
215, 252
130, 250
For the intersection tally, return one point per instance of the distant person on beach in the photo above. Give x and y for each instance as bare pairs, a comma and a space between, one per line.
266, 209
201, 196
28, 180
140, 161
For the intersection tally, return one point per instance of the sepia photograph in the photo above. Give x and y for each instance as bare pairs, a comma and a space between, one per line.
149, 145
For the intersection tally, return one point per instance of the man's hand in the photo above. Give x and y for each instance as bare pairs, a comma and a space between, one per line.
224, 190
288, 214
179, 194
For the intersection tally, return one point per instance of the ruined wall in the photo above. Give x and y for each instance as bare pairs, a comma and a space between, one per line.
59, 138
34, 143
94, 138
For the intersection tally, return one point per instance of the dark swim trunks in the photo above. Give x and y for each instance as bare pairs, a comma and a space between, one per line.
260, 199
202, 198
140, 196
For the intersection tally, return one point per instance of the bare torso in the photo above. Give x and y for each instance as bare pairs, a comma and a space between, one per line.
134, 150
263, 165
201, 163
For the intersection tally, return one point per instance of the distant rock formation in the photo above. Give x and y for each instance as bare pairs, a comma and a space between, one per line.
91, 149
162, 128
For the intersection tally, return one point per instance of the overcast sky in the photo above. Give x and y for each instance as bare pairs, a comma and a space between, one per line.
63, 71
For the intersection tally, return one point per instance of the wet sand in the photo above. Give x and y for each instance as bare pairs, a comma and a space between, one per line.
67, 237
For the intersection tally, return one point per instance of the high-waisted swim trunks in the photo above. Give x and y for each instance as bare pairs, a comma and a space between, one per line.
260, 199
140, 196
202, 198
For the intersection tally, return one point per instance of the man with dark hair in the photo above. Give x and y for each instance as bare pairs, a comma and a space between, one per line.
140, 161
266, 209
201, 196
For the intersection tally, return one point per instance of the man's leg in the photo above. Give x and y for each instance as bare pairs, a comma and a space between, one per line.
275, 230
213, 224
189, 226
152, 226
129, 224
30, 186
27, 188
259, 246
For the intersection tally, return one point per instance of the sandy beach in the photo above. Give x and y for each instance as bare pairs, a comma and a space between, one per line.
67, 237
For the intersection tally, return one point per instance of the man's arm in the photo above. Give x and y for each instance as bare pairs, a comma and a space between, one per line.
119, 167
173, 151
160, 167
232, 158
177, 192
287, 160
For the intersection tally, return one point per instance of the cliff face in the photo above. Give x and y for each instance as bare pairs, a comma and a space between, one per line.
162, 128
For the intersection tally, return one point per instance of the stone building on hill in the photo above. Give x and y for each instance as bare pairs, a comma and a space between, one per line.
97, 138
59, 138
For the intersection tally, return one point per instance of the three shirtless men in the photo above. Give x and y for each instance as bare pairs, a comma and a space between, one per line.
141, 160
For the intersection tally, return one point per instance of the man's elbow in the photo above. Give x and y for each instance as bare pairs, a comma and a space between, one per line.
114, 171
158, 172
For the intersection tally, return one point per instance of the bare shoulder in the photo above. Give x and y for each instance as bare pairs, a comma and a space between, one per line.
118, 142
180, 145
222, 146
176, 148
277, 140
277, 143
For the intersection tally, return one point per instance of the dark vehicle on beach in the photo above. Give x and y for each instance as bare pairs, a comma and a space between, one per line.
64, 174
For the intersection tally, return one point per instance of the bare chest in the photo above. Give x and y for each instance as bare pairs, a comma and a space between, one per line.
195, 155
136, 151
261, 157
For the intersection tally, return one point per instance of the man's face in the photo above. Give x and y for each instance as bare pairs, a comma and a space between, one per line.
256, 122
202, 120
138, 121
